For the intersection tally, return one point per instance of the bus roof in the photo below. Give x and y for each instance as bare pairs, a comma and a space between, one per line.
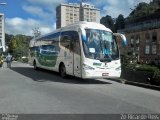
85, 24
81, 24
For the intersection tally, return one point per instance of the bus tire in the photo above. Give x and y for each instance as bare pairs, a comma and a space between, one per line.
35, 65
62, 70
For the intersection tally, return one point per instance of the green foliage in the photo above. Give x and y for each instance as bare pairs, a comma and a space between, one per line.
153, 72
113, 24
141, 67
19, 45
108, 22
156, 76
129, 66
143, 9
8, 38
120, 23
147, 68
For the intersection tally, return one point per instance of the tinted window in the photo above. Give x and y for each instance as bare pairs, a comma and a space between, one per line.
70, 40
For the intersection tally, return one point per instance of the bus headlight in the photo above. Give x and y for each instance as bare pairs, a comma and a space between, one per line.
118, 68
87, 67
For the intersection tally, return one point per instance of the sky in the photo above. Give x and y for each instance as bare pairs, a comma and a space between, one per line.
22, 16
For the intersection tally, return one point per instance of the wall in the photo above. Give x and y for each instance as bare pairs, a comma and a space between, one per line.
148, 47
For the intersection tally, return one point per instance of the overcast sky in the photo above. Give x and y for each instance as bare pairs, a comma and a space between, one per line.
21, 16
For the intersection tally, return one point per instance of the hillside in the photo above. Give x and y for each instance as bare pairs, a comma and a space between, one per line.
145, 11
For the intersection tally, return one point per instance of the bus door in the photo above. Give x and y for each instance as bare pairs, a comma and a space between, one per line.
77, 55
72, 58
67, 42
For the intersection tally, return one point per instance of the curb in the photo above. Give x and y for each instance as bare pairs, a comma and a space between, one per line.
153, 87
123, 81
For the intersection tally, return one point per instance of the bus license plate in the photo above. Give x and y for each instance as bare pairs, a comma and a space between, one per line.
105, 74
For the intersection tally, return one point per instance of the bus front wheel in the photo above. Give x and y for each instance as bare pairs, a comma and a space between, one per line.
35, 65
62, 71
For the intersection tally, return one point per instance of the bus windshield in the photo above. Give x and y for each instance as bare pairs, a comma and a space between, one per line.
100, 45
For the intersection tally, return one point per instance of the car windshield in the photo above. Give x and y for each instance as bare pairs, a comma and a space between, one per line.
100, 45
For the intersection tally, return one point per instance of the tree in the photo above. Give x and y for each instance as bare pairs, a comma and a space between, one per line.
144, 9
8, 38
120, 23
19, 45
108, 22
36, 32
13, 45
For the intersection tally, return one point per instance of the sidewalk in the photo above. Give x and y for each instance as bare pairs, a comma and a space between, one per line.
15, 64
124, 81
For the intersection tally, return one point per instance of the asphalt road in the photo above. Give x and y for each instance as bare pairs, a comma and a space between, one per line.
23, 90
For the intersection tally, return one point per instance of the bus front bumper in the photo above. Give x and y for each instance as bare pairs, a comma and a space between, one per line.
101, 74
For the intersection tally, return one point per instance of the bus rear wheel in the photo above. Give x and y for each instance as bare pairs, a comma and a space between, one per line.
62, 71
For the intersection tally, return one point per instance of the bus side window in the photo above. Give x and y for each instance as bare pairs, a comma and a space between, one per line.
76, 44
66, 41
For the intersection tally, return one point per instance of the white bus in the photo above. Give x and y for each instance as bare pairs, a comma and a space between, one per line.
83, 49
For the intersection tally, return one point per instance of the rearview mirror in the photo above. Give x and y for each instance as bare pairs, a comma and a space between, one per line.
121, 39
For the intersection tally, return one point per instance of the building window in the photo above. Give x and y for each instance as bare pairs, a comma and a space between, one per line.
147, 44
154, 49
132, 41
137, 40
154, 37
147, 49
154, 41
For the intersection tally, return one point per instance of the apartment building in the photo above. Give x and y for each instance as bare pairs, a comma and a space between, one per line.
70, 13
2, 33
